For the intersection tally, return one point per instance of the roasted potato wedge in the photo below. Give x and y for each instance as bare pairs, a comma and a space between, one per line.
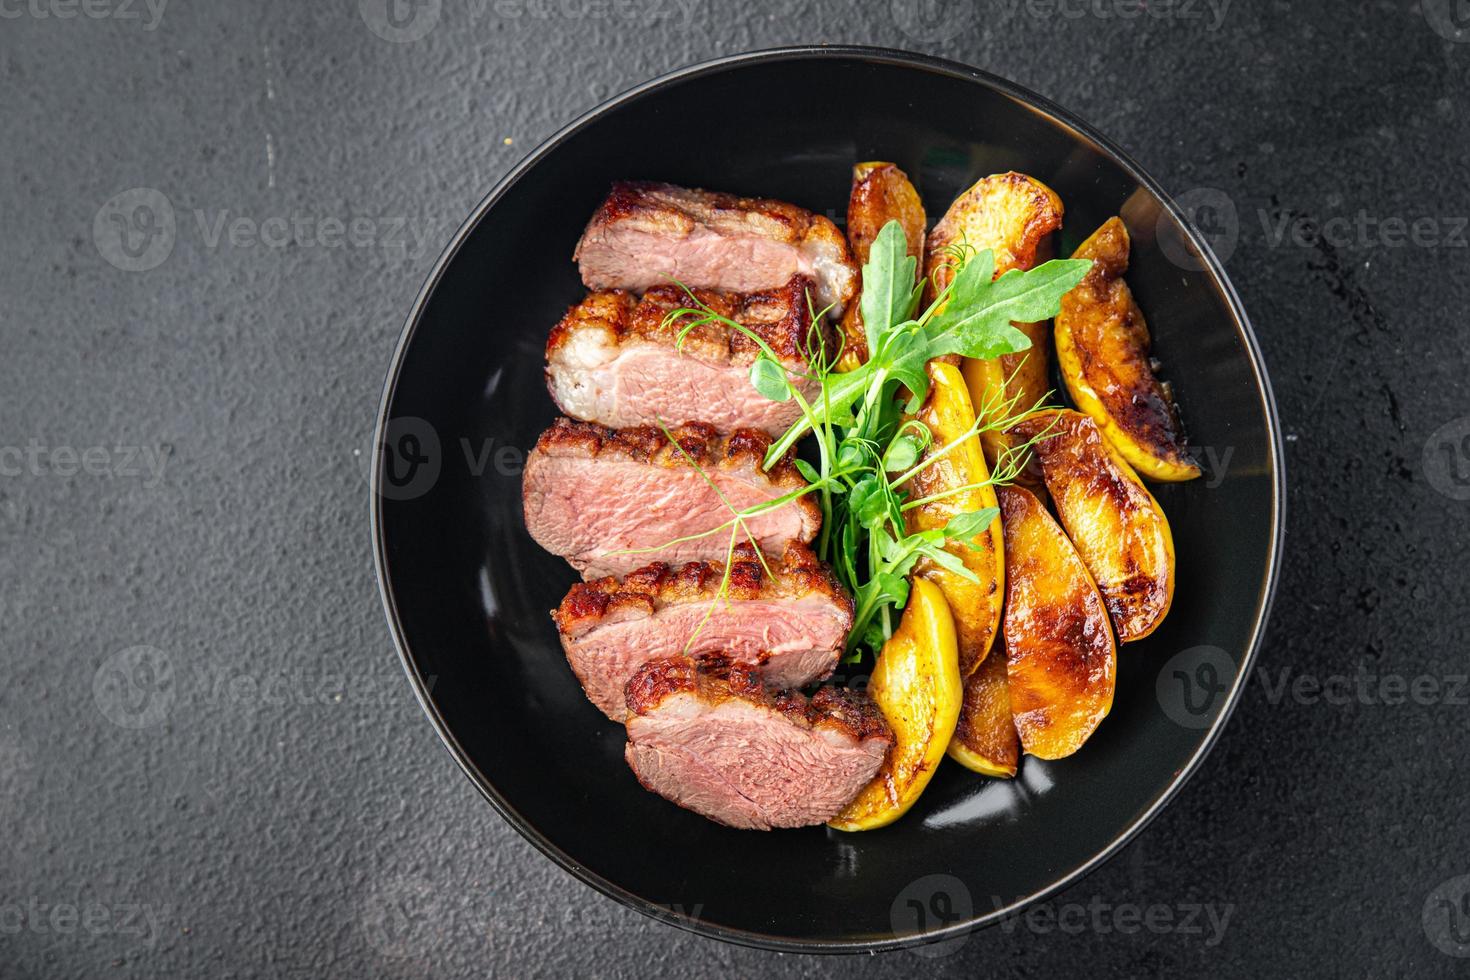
1060, 658
985, 737
1019, 380
975, 605
916, 684
1014, 216
1005, 386
1103, 350
1118, 528
1010, 214
880, 193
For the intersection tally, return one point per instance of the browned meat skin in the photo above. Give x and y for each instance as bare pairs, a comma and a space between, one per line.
781, 317
611, 501
709, 737
646, 234
791, 624
614, 361
647, 444
797, 573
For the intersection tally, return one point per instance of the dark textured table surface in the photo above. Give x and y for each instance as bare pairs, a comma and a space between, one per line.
184, 433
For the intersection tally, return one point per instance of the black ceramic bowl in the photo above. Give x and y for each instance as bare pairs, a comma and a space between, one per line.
467, 592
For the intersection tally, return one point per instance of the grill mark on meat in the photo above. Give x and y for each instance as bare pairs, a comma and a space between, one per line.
646, 233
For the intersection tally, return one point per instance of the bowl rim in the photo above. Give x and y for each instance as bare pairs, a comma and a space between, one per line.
1057, 115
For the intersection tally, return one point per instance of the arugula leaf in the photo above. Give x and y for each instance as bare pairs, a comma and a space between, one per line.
932, 536
889, 295
857, 417
951, 563
909, 363
846, 557
964, 527
892, 586
972, 276
977, 320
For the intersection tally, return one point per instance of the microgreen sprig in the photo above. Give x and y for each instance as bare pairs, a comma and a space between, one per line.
868, 445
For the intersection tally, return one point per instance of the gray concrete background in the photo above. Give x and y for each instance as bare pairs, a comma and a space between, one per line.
182, 451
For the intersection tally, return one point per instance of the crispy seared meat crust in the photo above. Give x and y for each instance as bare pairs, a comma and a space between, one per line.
714, 680
781, 317
604, 309
798, 574
677, 212
682, 209
696, 440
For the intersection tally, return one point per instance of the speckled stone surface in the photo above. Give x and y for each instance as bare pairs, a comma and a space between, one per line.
184, 429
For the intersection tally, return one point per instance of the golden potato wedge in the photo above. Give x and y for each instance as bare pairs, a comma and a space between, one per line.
1103, 351
985, 739
880, 193
1003, 386
975, 605
1018, 380
1118, 528
1010, 214
916, 684
1014, 216
1061, 662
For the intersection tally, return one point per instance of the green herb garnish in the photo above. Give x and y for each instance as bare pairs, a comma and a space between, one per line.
867, 450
